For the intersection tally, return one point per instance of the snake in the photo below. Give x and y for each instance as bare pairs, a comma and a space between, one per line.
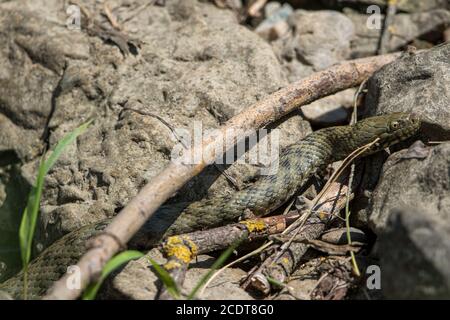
297, 164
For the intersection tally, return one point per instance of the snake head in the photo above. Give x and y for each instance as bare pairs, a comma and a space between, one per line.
389, 129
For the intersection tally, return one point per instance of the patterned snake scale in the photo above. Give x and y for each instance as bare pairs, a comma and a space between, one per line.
297, 163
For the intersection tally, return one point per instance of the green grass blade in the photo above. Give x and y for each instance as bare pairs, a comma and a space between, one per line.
166, 279
30, 214
29, 217
276, 282
110, 266
217, 264
28, 223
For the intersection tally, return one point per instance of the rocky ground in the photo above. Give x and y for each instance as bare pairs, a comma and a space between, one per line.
192, 61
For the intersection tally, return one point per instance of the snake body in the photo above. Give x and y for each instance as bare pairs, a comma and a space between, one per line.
297, 163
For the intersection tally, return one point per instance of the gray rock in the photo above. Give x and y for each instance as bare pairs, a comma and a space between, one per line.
423, 184
420, 5
194, 62
410, 213
5, 296
12, 137
13, 191
286, 52
138, 281
318, 39
414, 249
226, 286
402, 5
331, 110
413, 244
417, 83
405, 28
322, 38
275, 25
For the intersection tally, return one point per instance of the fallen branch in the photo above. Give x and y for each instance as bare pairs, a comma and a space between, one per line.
333, 249
230, 179
182, 249
111, 17
255, 8
170, 180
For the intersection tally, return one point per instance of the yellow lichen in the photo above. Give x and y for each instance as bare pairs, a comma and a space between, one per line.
254, 225
182, 248
172, 265
322, 215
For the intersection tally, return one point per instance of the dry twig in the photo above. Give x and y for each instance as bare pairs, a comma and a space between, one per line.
383, 46
231, 179
254, 10
111, 17
181, 249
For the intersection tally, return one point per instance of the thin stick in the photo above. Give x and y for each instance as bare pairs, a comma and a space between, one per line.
347, 222
248, 255
112, 19
383, 45
230, 179
133, 216
199, 242
255, 8
353, 121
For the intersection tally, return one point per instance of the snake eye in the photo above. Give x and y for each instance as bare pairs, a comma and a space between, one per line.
395, 125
